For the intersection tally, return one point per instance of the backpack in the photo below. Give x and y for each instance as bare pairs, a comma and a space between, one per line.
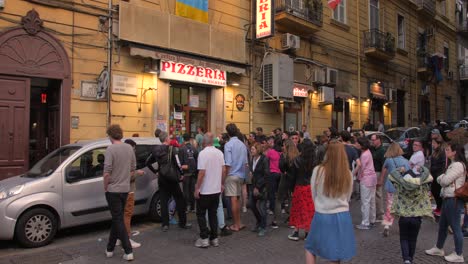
191, 156
168, 171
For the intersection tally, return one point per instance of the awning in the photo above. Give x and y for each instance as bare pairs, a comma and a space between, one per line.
159, 54
343, 95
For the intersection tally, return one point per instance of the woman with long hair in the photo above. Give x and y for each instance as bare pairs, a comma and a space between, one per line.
393, 160
452, 179
259, 168
438, 165
302, 207
368, 181
332, 227
286, 185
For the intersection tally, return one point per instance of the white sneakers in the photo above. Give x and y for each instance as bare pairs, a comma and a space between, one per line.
133, 243
214, 242
202, 243
450, 258
128, 257
109, 254
454, 258
435, 252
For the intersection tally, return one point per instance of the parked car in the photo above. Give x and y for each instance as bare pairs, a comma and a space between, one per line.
66, 189
404, 137
386, 140
462, 123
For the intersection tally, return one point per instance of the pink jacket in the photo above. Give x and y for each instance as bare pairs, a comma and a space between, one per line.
367, 174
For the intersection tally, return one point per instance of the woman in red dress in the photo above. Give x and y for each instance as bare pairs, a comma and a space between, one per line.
302, 210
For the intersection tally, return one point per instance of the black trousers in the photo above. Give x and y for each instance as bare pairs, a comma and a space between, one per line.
435, 190
168, 190
409, 230
116, 202
189, 188
208, 203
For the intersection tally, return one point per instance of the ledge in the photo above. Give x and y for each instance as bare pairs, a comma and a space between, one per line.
340, 25
403, 52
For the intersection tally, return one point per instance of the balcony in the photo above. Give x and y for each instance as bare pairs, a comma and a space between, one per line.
464, 72
299, 17
424, 63
426, 7
379, 45
462, 28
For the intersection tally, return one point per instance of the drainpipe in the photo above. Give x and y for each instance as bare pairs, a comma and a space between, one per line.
358, 62
109, 63
252, 69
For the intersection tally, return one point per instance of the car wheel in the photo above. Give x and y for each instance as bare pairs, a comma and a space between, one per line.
36, 228
155, 208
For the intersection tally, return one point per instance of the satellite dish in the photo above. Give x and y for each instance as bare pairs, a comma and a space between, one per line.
103, 84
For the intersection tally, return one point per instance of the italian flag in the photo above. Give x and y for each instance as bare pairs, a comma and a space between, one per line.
333, 3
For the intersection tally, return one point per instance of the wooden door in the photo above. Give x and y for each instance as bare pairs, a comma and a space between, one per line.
14, 125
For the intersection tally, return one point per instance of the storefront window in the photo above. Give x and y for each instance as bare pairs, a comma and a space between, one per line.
201, 93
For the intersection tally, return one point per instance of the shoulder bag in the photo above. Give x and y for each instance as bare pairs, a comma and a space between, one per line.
168, 171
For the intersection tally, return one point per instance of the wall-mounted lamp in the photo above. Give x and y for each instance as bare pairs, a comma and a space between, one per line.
368, 100
143, 94
151, 66
235, 84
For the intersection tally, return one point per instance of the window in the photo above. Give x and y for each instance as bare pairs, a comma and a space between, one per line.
443, 11
374, 22
401, 32
87, 166
339, 14
448, 108
446, 57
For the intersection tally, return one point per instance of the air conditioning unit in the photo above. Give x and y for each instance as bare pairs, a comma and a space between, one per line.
392, 95
326, 95
430, 31
319, 76
332, 77
450, 75
278, 78
290, 41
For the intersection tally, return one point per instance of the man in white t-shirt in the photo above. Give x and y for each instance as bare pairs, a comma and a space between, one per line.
417, 159
211, 176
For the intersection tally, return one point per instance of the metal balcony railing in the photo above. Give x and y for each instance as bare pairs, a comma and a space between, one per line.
427, 5
383, 41
309, 10
464, 72
423, 60
462, 26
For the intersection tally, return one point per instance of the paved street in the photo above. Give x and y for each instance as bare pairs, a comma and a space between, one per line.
87, 245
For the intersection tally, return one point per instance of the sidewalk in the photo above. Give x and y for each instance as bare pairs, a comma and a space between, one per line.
176, 246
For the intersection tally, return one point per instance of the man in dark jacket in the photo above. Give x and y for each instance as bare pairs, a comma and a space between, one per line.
168, 188
190, 156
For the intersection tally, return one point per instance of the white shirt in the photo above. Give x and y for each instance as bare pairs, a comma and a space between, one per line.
324, 204
211, 160
417, 161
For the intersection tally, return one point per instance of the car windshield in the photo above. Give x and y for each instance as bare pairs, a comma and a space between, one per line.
51, 162
394, 134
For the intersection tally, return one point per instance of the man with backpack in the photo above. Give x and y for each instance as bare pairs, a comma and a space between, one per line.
169, 176
190, 156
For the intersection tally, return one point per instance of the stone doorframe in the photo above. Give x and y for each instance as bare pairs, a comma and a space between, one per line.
28, 51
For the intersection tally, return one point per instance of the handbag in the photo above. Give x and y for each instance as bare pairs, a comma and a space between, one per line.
168, 171
462, 192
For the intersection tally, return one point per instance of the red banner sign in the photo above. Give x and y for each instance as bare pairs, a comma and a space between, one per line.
264, 17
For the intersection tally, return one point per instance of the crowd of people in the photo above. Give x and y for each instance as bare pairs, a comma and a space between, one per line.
289, 175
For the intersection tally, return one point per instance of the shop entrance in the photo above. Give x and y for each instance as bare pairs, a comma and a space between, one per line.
44, 121
189, 108
293, 117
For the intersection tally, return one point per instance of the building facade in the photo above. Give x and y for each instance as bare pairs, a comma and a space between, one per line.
68, 69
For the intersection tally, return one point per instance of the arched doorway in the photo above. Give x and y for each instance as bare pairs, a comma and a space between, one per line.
35, 85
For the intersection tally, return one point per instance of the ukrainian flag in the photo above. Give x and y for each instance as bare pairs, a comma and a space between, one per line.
194, 9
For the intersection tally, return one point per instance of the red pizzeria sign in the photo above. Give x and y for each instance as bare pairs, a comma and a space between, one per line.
301, 90
264, 18
189, 73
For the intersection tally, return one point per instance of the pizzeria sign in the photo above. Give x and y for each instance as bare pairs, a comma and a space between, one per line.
190, 73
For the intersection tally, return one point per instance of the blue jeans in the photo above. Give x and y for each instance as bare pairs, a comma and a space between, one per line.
116, 202
450, 216
409, 230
